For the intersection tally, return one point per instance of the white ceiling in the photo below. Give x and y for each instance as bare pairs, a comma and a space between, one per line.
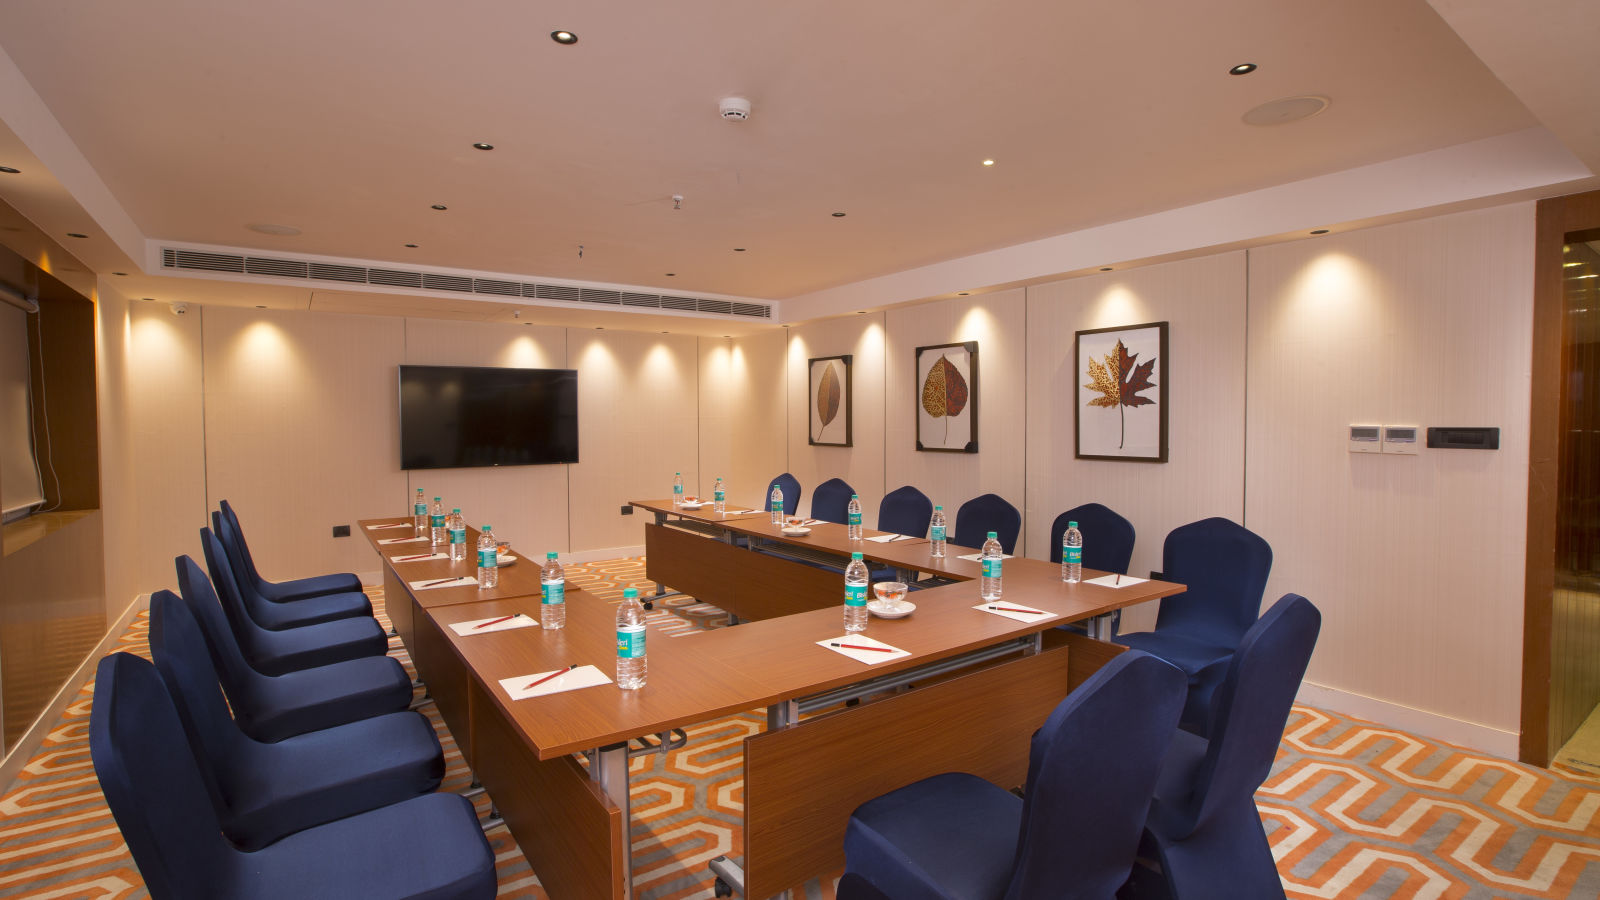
348, 119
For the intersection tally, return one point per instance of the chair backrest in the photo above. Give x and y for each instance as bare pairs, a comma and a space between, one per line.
233, 668
791, 493
1249, 712
151, 781
1223, 567
185, 665
231, 536
905, 510
981, 515
226, 586
1107, 537
830, 502
1080, 834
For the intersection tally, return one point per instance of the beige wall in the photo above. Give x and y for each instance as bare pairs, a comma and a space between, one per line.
862, 463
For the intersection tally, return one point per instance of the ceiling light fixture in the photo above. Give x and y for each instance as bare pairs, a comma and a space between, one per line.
738, 249
411, 246
988, 162
1320, 231
1242, 69
75, 234
963, 293
440, 206
564, 37
672, 274
124, 274
839, 215
259, 306
10, 171
861, 312
482, 146
1105, 268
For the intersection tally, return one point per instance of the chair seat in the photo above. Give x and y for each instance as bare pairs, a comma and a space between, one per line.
274, 790
315, 586
1187, 653
310, 610
950, 836
368, 856
309, 646
314, 699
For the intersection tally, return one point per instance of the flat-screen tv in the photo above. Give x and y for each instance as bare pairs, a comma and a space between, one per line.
455, 417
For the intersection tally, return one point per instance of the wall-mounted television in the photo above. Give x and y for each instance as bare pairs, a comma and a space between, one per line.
456, 417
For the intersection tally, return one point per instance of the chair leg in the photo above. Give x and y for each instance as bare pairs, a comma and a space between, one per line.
1227, 859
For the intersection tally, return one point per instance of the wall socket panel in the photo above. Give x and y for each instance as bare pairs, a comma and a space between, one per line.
1400, 439
1366, 438
341, 531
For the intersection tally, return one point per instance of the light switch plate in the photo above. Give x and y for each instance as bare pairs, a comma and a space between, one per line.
1401, 439
1365, 438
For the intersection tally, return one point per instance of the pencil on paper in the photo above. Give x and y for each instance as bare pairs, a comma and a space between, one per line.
1026, 612
556, 674
1119, 579
409, 558
440, 581
860, 647
496, 621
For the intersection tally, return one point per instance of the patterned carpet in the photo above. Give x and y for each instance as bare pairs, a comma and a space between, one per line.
1352, 810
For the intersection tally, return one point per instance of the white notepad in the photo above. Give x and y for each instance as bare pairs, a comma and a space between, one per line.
976, 557
870, 657
891, 538
427, 584
1112, 581
1029, 615
467, 629
581, 677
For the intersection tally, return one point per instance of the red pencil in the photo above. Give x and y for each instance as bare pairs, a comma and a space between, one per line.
1119, 579
861, 647
409, 558
496, 621
440, 581
1026, 612
556, 674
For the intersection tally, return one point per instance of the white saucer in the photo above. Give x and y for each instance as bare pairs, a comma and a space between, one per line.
898, 609
798, 532
505, 560
692, 505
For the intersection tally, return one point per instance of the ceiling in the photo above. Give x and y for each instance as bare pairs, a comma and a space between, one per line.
349, 120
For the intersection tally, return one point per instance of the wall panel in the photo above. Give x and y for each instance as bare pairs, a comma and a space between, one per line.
758, 405
861, 464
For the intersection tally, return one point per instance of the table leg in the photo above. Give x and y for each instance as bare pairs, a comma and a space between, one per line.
609, 766
1099, 627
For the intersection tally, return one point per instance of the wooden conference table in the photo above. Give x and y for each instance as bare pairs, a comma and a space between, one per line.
557, 765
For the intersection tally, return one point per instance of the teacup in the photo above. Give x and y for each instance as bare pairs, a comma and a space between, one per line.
690, 498
890, 591
502, 548
793, 521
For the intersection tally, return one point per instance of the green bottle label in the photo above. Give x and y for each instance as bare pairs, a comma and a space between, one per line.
487, 559
458, 535
437, 521
719, 496
855, 518
777, 506
855, 595
553, 593
938, 533
421, 509
677, 490
1075, 556
991, 566
630, 642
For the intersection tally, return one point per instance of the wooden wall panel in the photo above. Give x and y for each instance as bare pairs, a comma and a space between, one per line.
1415, 561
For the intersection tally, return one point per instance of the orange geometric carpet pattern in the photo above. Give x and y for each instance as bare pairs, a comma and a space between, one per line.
1352, 809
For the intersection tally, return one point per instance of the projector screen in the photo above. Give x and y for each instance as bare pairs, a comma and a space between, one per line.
461, 416
20, 489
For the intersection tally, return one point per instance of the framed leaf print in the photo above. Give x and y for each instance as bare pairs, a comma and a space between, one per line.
947, 397
1121, 398
830, 401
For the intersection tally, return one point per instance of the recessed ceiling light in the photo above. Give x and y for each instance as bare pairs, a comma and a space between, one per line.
482, 146
666, 332
728, 336
672, 274
527, 323
988, 162
861, 312
150, 299
838, 215
738, 249
124, 274
1286, 110
1105, 268
1320, 231
440, 206
282, 230
75, 234
963, 293
259, 306
1242, 69
599, 328
412, 246
10, 171
563, 37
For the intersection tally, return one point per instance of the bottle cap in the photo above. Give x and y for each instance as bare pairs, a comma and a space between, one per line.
456, 511
1072, 524
437, 499
939, 508
992, 536
488, 528
854, 497
856, 555
550, 555
677, 473
629, 593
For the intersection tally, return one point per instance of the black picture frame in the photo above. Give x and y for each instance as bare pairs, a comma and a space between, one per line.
821, 433
1092, 399
931, 402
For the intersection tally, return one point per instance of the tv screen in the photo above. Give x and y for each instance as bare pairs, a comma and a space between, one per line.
454, 417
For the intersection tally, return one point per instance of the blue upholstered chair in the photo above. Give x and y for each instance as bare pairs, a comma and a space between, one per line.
278, 615
1203, 827
983, 514
276, 652
905, 510
273, 707
153, 785
1224, 568
791, 493
1069, 836
232, 537
263, 792
830, 502
1107, 537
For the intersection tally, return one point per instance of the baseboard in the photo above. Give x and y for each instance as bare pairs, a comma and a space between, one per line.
1471, 735
34, 737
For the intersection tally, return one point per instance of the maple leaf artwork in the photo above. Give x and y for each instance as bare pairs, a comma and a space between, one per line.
828, 395
944, 392
1119, 382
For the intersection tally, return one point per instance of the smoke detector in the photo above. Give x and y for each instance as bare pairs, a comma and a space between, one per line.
735, 108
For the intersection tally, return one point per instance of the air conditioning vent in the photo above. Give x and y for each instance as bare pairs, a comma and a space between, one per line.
211, 261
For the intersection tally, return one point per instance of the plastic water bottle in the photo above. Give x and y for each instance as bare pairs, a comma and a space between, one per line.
436, 521
488, 559
677, 489
419, 514
457, 527
719, 495
552, 593
632, 664
1072, 554
853, 519
776, 500
855, 594
989, 588
936, 533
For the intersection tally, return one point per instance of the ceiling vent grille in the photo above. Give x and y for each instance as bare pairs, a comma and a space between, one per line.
208, 261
